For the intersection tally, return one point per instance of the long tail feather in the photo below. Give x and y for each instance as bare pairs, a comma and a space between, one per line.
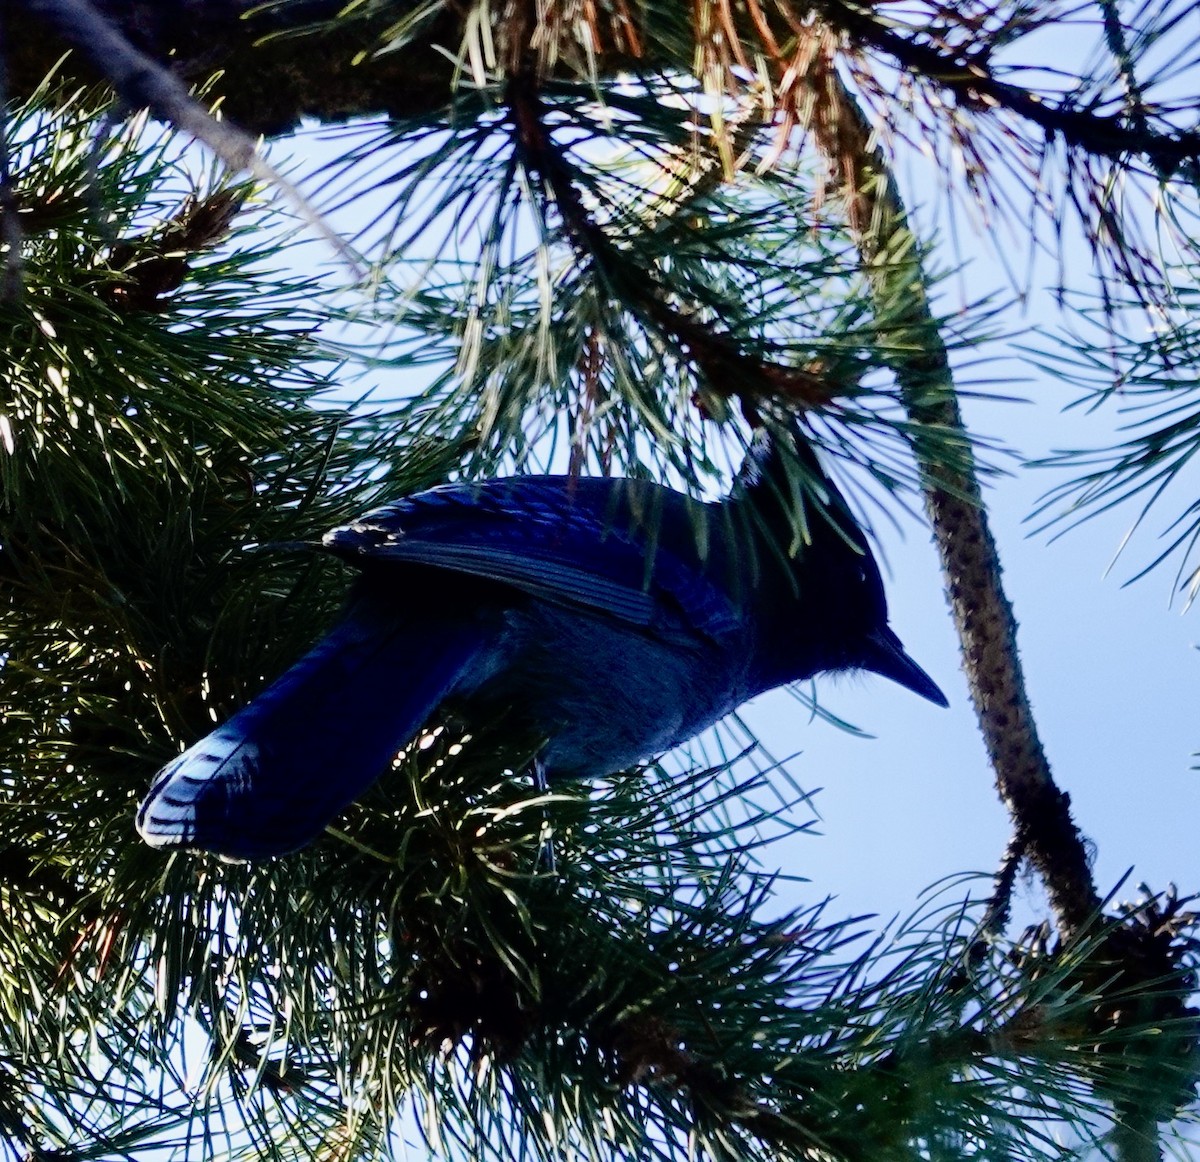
270, 779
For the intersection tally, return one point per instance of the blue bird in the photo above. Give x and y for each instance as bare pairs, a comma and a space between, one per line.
614, 618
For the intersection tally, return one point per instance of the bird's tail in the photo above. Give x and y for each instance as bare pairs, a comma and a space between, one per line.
270, 779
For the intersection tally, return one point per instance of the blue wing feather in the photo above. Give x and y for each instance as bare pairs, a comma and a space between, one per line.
268, 780
590, 543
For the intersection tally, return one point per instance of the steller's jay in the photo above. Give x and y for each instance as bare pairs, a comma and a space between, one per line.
614, 618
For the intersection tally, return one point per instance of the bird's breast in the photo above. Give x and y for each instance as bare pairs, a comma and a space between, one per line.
607, 696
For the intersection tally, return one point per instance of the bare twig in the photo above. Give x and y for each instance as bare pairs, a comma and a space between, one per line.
142, 82
999, 909
1040, 811
1140, 976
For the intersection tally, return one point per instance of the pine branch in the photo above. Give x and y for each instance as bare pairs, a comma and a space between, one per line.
646, 1000
969, 77
142, 82
361, 82
970, 561
155, 264
1044, 832
723, 364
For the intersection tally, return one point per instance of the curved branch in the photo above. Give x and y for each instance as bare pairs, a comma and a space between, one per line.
717, 355
1103, 135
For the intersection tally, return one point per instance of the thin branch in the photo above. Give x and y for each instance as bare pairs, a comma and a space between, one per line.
142, 82
1040, 811
974, 85
999, 909
1118, 46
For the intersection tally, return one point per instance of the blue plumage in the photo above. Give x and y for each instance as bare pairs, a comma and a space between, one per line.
614, 618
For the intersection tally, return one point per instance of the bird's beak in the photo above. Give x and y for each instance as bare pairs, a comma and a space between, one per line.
885, 655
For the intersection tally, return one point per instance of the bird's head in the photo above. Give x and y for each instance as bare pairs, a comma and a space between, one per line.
828, 609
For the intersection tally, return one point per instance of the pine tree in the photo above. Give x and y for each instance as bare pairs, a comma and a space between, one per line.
689, 219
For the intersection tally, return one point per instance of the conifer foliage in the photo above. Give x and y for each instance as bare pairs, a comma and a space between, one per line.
682, 221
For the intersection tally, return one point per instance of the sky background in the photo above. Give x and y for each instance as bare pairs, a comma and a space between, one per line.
1112, 669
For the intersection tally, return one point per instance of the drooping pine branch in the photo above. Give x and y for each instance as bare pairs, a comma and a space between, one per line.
968, 76
721, 361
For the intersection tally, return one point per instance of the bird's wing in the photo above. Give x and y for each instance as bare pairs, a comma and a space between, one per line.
629, 549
